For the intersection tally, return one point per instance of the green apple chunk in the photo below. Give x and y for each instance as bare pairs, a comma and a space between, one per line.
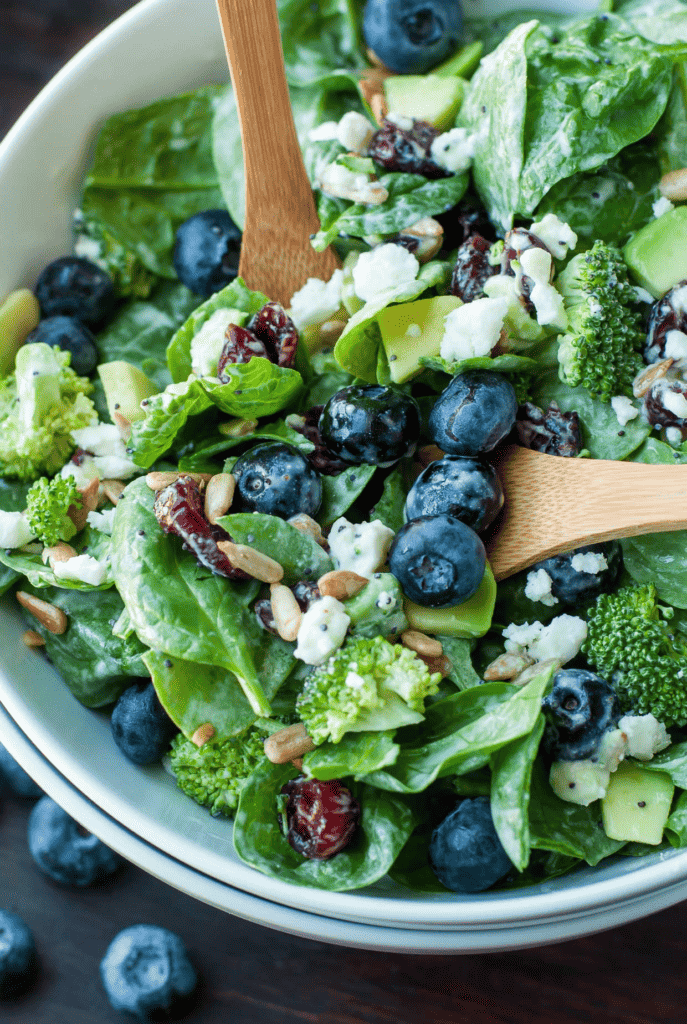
433, 98
411, 330
472, 618
657, 254
19, 315
637, 804
125, 388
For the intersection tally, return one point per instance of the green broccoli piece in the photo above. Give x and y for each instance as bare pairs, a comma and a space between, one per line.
630, 643
47, 504
40, 405
214, 774
367, 685
602, 346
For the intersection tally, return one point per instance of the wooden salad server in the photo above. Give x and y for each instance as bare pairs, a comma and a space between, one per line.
556, 504
276, 255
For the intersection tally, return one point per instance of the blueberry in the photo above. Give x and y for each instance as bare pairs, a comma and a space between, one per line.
573, 586
13, 776
579, 709
17, 954
140, 725
438, 560
72, 286
474, 413
468, 489
64, 851
70, 335
465, 852
370, 424
277, 480
146, 973
206, 251
412, 36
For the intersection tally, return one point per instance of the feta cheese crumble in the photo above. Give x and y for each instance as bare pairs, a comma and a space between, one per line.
675, 402
454, 150
538, 588
83, 568
106, 456
387, 266
559, 641
624, 409
646, 736
208, 342
548, 303
555, 234
103, 522
642, 294
661, 206
317, 301
354, 132
15, 531
339, 181
592, 562
676, 346
322, 631
473, 329
360, 547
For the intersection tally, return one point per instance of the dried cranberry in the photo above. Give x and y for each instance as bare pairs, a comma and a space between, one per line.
277, 331
472, 269
668, 314
553, 432
240, 347
306, 593
179, 509
79, 456
321, 458
263, 612
406, 149
657, 412
321, 817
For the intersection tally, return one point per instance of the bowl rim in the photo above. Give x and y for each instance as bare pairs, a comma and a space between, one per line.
663, 871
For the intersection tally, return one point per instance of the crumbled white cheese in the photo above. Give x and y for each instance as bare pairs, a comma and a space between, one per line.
83, 473
624, 409
360, 547
559, 641
208, 342
611, 750
642, 294
84, 568
473, 329
674, 436
322, 631
88, 249
579, 782
678, 299
646, 736
548, 303
15, 531
538, 588
675, 402
317, 301
354, 132
103, 522
338, 180
675, 345
400, 120
325, 132
387, 266
592, 562
555, 234
661, 206
454, 150
110, 461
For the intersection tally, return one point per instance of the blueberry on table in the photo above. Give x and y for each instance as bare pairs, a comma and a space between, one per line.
468, 489
71, 335
13, 776
366, 423
412, 36
474, 413
438, 561
579, 709
465, 852
583, 574
141, 727
64, 851
277, 480
146, 973
206, 252
17, 954
73, 286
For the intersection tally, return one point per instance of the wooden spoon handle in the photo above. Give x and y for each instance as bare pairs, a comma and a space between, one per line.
556, 504
276, 255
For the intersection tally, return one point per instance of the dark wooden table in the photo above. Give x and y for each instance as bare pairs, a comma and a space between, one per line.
632, 975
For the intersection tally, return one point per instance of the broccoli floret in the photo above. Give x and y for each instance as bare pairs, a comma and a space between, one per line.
214, 774
369, 684
47, 504
40, 405
630, 643
602, 345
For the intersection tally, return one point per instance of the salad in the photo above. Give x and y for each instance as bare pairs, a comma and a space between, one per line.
257, 535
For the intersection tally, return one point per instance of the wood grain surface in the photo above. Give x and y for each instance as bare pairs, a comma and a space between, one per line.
636, 974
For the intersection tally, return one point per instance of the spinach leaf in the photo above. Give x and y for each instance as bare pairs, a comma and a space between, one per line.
165, 415
329, 378
676, 826
298, 553
390, 509
511, 768
565, 828
319, 37
673, 761
187, 612
358, 348
655, 452
276, 430
458, 651
661, 21
96, 665
89, 541
461, 732
659, 558
12, 499
340, 491
671, 131
499, 364
357, 754
385, 825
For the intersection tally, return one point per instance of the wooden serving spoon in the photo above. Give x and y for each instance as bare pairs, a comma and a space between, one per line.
553, 504
276, 255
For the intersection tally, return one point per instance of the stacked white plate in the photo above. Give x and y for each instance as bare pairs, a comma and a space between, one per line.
161, 47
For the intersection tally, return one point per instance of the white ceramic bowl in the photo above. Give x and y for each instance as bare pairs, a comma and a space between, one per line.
160, 47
